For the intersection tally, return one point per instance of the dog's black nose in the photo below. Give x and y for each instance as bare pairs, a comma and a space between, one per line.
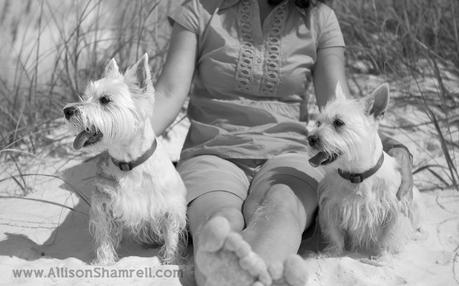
313, 140
69, 112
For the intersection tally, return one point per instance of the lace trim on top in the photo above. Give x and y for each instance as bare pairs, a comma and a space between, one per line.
271, 74
271, 66
244, 74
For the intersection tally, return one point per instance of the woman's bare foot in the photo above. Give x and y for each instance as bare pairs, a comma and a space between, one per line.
292, 273
224, 258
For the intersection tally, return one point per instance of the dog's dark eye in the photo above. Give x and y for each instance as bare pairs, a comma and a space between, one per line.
104, 99
318, 123
338, 123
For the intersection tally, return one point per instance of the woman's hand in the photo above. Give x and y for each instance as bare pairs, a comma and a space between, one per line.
403, 158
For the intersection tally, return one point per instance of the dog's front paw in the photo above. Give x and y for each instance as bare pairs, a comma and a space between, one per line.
105, 256
105, 261
372, 260
334, 250
168, 255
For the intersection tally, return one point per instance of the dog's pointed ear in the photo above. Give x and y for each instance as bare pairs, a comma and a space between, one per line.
376, 103
111, 69
339, 93
139, 74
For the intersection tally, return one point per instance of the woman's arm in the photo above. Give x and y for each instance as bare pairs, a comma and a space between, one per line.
405, 161
174, 82
328, 70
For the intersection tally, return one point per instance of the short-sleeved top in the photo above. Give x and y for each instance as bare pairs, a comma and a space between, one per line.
251, 78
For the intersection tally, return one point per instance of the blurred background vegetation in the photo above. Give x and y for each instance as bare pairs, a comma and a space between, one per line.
414, 45
51, 48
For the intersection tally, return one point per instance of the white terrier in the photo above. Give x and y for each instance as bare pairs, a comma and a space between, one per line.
358, 207
138, 188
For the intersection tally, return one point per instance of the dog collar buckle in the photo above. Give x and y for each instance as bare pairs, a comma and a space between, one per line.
128, 166
124, 166
356, 178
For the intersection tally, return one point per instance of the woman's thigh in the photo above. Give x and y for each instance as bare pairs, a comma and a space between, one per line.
285, 181
207, 173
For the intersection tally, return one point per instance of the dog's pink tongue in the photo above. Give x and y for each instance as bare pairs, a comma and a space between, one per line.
318, 159
80, 139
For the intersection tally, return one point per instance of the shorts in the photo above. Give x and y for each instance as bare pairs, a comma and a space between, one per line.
208, 173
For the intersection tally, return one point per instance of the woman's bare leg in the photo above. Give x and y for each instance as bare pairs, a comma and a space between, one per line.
221, 256
275, 223
275, 226
280, 205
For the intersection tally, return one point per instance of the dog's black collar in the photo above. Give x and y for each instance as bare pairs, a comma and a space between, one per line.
128, 166
358, 178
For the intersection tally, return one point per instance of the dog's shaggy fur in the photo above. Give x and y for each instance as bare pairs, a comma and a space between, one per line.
149, 200
366, 216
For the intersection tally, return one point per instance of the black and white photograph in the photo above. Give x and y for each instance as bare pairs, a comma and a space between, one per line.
229, 142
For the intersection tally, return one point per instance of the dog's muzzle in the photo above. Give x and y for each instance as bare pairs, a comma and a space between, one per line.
89, 136
70, 111
322, 157
313, 140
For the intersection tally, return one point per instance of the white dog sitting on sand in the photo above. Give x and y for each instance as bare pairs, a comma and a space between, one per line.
138, 188
358, 207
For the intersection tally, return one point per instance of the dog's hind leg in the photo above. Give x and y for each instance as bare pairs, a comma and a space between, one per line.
107, 232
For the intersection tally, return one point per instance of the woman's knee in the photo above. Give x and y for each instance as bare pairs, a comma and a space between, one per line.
214, 204
233, 215
282, 199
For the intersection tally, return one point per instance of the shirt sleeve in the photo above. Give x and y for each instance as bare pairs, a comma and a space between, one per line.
329, 31
187, 15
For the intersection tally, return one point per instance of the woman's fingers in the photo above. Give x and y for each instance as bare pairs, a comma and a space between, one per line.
402, 157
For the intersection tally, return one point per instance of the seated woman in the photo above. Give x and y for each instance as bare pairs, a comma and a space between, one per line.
251, 191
